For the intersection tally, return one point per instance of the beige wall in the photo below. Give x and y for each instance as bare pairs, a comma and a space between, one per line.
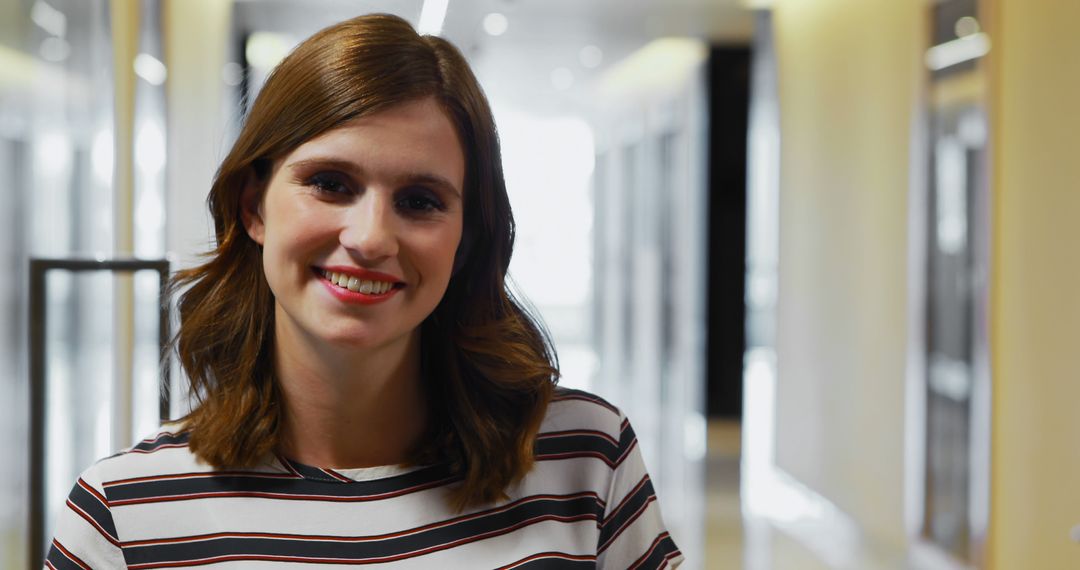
196, 32
848, 77
1035, 307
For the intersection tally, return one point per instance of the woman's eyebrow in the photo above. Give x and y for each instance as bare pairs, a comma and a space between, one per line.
335, 163
355, 169
433, 180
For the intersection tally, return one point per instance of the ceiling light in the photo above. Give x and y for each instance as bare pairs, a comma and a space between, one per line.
432, 16
264, 50
55, 49
590, 56
49, 19
150, 68
495, 24
967, 26
957, 51
662, 64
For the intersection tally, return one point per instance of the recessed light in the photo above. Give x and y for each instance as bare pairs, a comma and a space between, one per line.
496, 24
590, 56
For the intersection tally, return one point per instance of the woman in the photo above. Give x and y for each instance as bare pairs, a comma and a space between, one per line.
369, 392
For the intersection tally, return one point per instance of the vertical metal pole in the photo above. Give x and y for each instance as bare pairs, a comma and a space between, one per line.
125, 39
38, 403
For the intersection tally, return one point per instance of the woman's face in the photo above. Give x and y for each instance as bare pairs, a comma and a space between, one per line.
359, 227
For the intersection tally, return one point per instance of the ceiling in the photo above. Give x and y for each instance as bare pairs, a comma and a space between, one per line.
543, 35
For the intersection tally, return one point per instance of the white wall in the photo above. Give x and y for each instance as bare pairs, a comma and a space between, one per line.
848, 76
196, 32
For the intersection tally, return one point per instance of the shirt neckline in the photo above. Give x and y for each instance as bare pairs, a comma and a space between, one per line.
350, 475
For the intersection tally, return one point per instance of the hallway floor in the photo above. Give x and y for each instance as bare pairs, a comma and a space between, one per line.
727, 545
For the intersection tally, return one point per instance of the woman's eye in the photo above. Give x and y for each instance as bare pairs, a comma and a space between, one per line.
420, 203
328, 184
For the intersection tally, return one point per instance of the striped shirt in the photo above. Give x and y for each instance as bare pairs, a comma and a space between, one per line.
587, 503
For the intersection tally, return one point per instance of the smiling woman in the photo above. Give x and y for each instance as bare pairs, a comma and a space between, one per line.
350, 204
369, 391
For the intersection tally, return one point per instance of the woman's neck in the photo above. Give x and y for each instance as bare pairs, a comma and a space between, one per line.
346, 408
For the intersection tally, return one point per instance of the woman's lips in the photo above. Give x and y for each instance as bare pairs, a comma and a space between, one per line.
355, 285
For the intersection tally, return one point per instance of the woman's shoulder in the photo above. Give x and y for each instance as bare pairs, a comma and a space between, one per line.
580, 411
162, 452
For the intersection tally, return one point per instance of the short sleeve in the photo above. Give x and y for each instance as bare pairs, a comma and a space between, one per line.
85, 533
632, 532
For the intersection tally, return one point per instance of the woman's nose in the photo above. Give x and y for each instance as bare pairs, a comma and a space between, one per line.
369, 230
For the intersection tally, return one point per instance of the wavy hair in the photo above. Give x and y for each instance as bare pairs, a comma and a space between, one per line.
489, 367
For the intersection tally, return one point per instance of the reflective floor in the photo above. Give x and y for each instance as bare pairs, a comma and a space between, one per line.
733, 542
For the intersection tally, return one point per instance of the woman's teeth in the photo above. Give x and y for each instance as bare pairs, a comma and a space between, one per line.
358, 285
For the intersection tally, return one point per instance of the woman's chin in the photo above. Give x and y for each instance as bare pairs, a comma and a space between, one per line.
352, 338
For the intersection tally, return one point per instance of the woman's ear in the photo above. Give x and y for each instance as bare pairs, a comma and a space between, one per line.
251, 208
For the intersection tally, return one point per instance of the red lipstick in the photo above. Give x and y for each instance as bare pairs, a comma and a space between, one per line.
349, 296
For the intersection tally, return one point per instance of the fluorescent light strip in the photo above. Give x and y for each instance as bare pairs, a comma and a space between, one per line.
49, 19
150, 68
957, 51
432, 16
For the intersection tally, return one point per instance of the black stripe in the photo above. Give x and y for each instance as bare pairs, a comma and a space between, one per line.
624, 512
627, 438
663, 549
577, 443
330, 489
567, 393
60, 560
493, 522
93, 507
553, 561
162, 440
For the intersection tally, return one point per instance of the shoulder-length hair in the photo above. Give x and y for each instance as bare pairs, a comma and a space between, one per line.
489, 367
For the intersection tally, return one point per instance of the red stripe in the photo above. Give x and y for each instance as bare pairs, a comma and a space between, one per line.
626, 498
287, 465
281, 496
559, 555
92, 522
197, 475
336, 475
574, 455
629, 523
371, 538
655, 544
67, 554
158, 448
394, 558
596, 433
161, 435
626, 453
90, 489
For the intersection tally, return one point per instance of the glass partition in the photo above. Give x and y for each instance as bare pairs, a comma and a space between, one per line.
56, 200
955, 478
63, 197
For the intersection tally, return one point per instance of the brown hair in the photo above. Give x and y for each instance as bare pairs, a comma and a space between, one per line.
489, 367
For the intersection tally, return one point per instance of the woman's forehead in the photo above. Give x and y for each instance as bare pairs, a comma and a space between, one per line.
417, 138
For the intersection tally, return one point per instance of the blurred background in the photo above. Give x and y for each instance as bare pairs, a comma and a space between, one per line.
823, 252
